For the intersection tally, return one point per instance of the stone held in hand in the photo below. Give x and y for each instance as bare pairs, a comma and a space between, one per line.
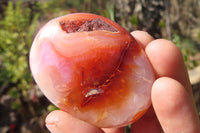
92, 68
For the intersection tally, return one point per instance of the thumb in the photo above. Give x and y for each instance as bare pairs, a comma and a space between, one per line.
174, 107
61, 122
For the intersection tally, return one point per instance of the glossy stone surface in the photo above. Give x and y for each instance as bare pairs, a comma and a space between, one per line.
92, 68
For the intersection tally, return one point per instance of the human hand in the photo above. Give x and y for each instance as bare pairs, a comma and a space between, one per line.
173, 108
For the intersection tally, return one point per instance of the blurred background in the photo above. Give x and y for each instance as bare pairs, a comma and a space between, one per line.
23, 107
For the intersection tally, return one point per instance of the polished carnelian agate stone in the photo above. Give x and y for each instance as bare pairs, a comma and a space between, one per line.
92, 68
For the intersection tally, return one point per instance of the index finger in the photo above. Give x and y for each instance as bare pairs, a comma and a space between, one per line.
165, 58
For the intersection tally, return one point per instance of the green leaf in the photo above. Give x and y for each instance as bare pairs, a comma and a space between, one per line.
51, 108
110, 8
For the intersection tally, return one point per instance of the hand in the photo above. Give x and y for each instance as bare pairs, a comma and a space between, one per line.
173, 109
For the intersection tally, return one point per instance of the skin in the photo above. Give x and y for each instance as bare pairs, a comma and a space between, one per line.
173, 109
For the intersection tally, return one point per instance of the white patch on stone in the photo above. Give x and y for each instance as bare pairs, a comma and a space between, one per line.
94, 92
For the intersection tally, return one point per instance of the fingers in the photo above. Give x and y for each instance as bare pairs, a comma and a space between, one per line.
174, 107
61, 122
165, 57
167, 61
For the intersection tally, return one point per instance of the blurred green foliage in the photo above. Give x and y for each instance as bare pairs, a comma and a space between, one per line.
16, 32
110, 13
187, 48
162, 24
134, 21
54, 8
51, 108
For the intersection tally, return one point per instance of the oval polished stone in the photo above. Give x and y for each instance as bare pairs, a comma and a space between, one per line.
92, 68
